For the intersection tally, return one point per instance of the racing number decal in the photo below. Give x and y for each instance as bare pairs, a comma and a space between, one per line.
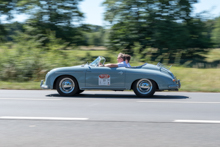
104, 79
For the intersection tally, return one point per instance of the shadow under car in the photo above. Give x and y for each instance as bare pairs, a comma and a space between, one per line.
120, 96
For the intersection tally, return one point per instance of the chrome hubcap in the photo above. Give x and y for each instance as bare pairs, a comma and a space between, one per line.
67, 85
144, 86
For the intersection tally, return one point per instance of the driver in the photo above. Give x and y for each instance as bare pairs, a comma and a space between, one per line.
121, 62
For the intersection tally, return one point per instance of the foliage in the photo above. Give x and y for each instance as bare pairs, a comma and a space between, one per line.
166, 25
12, 29
95, 35
61, 16
207, 78
57, 12
27, 60
19, 64
216, 32
6, 8
149, 30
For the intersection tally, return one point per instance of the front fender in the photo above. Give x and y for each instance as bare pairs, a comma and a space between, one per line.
78, 72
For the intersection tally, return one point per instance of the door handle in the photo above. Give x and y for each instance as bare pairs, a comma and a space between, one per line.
120, 72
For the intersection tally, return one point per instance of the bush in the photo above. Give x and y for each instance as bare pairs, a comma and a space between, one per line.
27, 59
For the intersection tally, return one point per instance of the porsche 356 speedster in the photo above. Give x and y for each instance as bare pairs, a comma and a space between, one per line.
144, 80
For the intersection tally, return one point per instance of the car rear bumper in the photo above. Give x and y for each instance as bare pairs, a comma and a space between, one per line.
43, 86
178, 83
175, 86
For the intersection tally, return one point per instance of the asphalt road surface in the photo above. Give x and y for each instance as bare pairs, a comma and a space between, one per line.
42, 118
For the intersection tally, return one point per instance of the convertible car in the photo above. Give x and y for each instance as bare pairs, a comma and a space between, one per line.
144, 80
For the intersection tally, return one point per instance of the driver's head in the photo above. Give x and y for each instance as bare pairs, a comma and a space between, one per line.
120, 57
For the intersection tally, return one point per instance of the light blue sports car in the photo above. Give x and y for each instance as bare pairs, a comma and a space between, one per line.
144, 80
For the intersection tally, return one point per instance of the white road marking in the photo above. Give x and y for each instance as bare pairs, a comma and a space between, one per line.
178, 102
41, 118
30, 99
197, 121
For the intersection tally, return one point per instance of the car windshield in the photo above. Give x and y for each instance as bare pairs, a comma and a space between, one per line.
97, 61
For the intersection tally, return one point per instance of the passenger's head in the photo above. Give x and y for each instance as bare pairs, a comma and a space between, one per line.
127, 58
120, 57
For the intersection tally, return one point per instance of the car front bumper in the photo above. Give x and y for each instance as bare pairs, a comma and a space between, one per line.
43, 86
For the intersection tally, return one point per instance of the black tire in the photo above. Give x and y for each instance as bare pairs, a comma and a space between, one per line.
144, 88
80, 91
67, 86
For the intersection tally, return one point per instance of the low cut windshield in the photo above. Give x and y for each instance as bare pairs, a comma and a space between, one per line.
99, 60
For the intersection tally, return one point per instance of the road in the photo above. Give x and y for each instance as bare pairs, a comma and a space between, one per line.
42, 118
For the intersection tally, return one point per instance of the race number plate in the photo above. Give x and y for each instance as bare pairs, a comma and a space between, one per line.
104, 79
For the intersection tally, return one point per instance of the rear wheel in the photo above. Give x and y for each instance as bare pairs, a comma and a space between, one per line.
67, 86
144, 87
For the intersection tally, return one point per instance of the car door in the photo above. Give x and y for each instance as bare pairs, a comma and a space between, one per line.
98, 77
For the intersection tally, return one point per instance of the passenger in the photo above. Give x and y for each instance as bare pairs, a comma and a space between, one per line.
121, 62
127, 59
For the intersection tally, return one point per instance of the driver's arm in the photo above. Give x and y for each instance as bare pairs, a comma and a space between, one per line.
111, 65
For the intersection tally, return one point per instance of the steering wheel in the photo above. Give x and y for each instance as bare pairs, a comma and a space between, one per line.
102, 61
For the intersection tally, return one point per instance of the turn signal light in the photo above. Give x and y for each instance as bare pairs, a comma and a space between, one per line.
174, 80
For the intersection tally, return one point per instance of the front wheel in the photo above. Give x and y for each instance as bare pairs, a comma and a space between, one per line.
67, 86
144, 87
80, 91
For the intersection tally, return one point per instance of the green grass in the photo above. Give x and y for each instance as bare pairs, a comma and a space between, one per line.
20, 85
202, 80
192, 79
213, 55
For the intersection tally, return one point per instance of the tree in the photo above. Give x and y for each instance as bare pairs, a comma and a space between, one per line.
94, 35
142, 18
6, 7
163, 24
61, 16
216, 32
12, 28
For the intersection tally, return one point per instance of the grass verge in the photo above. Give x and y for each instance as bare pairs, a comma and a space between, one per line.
201, 80
192, 80
20, 85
